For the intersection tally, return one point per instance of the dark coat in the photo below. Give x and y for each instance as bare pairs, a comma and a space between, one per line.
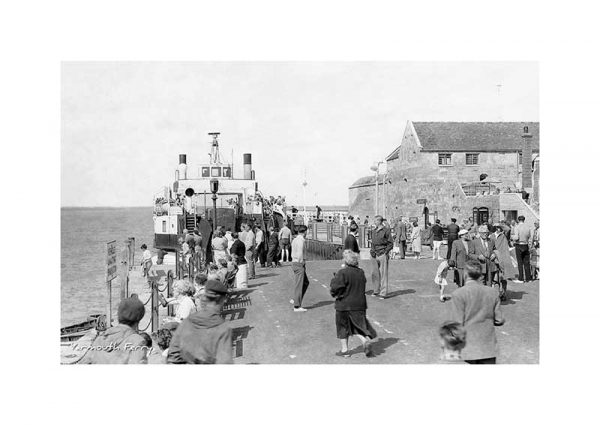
453, 230
238, 251
204, 338
351, 244
458, 255
348, 287
476, 249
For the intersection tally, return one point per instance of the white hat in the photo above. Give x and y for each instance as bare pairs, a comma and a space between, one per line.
462, 232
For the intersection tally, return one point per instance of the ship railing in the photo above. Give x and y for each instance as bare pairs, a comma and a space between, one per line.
336, 233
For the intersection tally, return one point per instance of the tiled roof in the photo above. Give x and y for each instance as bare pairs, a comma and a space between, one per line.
475, 136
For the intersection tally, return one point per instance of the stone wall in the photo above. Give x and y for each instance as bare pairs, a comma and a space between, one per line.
361, 200
416, 175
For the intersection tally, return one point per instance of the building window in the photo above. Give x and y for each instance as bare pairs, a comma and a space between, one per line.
444, 159
472, 158
520, 158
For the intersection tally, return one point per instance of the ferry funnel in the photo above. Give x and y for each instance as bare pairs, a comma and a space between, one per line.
247, 166
182, 167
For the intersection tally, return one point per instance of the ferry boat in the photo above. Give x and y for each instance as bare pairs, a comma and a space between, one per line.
205, 192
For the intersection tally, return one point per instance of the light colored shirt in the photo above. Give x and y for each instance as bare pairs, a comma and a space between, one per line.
523, 233
259, 236
285, 233
184, 306
298, 249
248, 238
147, 255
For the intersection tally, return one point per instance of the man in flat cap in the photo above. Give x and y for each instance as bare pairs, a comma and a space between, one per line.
204, 337
121, 344
482, 250
459, 256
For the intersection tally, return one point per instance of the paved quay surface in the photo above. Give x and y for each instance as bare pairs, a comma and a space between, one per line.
270, 332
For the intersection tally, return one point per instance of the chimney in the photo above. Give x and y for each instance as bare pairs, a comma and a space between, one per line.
526, 181
182, 167
247, 166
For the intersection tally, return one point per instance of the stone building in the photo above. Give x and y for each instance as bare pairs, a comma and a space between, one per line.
456, 169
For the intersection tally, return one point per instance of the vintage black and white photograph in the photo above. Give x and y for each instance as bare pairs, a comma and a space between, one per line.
250, 212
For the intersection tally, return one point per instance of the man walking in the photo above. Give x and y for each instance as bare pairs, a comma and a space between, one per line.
260, 252
285, 243
401, 232
438, 235
453, 230
351, 242
381, 245
522, 238
477, 308
299, 268
249, 239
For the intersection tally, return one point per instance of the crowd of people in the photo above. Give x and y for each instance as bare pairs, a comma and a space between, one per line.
478, 256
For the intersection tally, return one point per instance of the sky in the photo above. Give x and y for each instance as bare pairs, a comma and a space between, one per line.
123, 124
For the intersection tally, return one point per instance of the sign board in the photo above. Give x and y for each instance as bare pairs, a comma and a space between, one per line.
421, 201
111, 260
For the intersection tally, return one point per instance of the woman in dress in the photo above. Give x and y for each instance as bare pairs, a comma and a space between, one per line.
219, 246
415, 238
348, 289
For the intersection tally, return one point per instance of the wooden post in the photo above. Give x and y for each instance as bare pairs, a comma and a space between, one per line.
111, 273
154, 303
109, 306
124, 269
170, 307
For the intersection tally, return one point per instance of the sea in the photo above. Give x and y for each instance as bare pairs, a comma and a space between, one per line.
84, 235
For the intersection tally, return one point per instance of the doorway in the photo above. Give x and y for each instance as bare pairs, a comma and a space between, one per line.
481, 215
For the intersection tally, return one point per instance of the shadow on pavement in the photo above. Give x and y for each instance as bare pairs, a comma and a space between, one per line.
380, 345
260, 276
401, 292
513, 295
236, 304
256, 285
320, 304
238, 336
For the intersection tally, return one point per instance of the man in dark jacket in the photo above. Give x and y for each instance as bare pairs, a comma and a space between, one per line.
453, 230
381, 245
121, 344
348, 288
351, 240
438, 235
204, 337
459, 256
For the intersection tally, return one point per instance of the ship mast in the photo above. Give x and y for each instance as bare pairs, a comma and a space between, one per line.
215, 156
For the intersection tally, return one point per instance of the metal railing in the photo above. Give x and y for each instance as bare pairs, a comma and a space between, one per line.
337, 233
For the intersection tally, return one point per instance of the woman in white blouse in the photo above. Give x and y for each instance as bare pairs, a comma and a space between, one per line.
182, 301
